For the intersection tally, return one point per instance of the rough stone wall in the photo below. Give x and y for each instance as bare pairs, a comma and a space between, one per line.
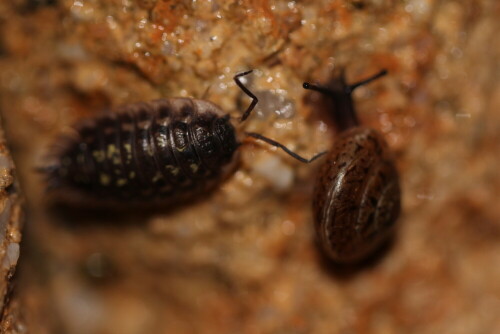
11, 223
244, 260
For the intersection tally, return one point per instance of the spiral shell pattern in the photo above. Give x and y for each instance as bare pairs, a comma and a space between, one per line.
357, 196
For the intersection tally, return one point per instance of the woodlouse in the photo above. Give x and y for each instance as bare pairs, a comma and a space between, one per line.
167, 149
357, 194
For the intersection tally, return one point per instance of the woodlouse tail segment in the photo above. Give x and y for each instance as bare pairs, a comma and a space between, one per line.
284, 148
51, 174
255, 100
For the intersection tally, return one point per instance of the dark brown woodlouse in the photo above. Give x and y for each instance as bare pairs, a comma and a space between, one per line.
164, 150
357, 195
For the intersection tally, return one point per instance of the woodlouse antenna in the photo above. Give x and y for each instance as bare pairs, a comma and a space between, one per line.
269, 141
248, 92
283, 147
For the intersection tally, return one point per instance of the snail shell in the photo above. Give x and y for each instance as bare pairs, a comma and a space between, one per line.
357, 194
356, 197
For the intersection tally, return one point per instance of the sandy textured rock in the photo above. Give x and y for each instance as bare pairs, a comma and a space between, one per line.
243, 260
11, 222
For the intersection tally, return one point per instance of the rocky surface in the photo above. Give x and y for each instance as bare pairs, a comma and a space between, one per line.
11, 222
244, 259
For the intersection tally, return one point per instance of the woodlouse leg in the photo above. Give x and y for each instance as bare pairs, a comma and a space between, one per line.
248, 92
283, 147
205, 94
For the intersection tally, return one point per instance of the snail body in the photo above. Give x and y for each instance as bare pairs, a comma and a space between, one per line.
357, 195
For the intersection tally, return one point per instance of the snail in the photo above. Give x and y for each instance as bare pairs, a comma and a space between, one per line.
357, 194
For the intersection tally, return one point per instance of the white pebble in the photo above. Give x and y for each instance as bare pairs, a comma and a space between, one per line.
272, 168
11, 256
